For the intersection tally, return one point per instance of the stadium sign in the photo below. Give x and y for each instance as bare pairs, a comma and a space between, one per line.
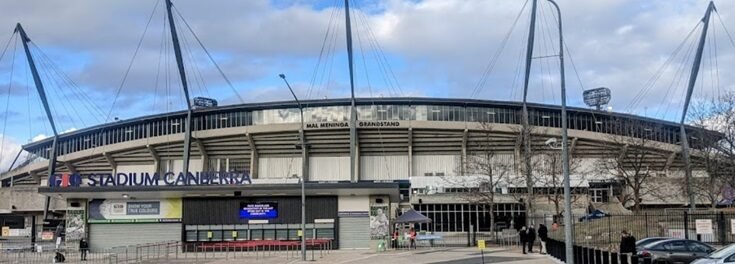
347, 124
150, 179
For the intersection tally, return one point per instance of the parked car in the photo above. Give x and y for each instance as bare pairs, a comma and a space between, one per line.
647, 241
674, 251
723, 255
597, 214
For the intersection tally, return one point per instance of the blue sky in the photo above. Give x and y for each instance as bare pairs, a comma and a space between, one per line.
433, 48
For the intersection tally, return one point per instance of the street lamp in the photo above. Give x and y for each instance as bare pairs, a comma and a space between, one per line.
303, 169
568, 235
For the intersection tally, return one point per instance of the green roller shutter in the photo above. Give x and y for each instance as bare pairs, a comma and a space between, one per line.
105, 236
354, 232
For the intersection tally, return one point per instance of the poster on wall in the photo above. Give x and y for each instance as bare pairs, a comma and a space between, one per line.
379, 225
134, 211
75, 226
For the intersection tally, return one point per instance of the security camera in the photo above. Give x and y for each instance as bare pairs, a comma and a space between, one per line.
551, 142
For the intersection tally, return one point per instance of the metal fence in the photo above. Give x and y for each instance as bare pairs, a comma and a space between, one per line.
587, 255
175, 251
714, 228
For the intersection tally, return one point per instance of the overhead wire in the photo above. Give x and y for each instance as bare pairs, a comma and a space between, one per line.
379, 53
650, 83
130, 65
50, 84
494, 59
321, 51
61, 78
7, 102
209, 55
675, 82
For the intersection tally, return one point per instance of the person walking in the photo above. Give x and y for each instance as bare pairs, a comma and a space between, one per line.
627, 246
543, 236
394, 239
531, 238
83, 249
523, 237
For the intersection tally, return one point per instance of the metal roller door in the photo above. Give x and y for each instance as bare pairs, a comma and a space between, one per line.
104, 236
354, 232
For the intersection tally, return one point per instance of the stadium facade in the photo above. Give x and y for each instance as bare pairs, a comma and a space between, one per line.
121, 183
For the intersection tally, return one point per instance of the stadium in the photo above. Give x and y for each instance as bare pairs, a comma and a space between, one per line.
121, 183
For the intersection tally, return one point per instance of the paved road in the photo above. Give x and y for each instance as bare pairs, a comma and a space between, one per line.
431, 256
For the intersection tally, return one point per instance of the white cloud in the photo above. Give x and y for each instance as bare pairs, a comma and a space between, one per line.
441, 46
10, 148
39, 137
624, 29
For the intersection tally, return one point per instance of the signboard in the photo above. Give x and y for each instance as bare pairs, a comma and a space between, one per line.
481, 244
47, 235
345, 124
259, 210
732, 226
138, 211
6, 231
353, 214
149, 179
703, 226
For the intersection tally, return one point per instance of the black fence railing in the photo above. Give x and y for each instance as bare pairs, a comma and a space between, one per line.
604, 233
588, 255
597, 240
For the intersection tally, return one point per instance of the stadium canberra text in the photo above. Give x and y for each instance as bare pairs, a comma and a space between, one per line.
151, 179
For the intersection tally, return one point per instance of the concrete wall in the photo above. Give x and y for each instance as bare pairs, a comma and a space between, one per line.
329, 168
353, 203
26, 198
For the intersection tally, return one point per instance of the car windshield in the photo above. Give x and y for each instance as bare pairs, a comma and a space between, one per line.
723, 252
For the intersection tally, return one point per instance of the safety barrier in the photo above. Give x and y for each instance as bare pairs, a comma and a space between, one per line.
266, 250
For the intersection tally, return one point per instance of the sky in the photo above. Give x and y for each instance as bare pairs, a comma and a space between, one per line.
101, 60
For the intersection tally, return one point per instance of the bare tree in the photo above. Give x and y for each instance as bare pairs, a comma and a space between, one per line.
487, 170
630, 159
549, 177
715, 134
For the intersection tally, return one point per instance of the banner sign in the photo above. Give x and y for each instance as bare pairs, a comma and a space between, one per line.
353, 214
126, 211
347, 124
150, 179
260, 210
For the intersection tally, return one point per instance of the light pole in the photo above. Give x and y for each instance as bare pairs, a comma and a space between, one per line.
303, 169
568, 232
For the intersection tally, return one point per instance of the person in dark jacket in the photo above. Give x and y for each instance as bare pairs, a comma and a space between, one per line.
59, 258
627, 246
83, 249
543, 235
530, 238
523, 237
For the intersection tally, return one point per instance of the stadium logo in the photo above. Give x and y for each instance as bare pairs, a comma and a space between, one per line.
151, 179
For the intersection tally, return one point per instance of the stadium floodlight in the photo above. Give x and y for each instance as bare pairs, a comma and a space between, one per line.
203, 102
597, 97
